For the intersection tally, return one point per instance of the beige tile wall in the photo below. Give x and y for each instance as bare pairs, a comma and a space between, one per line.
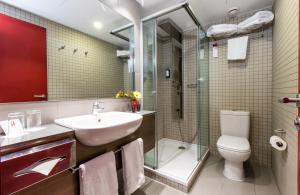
244, 85
285, 83
73, 76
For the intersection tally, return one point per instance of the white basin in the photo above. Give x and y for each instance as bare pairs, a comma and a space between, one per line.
112, 126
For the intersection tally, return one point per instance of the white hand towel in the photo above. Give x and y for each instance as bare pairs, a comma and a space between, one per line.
133, 166
99, 176
237, 48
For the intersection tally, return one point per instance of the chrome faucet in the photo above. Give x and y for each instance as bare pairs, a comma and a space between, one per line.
98, 107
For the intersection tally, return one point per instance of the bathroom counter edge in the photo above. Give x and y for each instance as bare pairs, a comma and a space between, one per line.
50, 132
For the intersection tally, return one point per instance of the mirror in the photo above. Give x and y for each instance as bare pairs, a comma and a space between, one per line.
50, 51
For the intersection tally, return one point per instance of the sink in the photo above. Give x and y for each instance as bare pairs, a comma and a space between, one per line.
95, 130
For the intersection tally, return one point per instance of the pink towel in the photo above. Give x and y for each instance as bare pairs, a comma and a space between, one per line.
99, 176
133, 166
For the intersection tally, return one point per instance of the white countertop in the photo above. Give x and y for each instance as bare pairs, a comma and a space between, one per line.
145, 112
44, 131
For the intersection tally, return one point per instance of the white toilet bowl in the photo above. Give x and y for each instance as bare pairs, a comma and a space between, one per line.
235, 150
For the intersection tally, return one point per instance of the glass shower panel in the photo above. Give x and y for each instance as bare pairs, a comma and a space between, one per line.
150, 80
129, 65
203, 93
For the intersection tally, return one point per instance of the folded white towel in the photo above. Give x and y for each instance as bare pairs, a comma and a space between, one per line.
133, 166
99, 176
237, 48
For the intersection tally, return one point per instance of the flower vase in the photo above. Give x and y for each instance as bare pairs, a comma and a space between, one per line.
135, 106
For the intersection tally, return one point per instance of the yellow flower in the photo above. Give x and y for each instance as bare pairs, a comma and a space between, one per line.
120, 94
137, 94
133, 95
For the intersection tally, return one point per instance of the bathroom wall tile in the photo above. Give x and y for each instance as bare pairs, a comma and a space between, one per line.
285, 84
244, 85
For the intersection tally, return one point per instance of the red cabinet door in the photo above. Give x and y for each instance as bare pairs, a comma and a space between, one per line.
23, 61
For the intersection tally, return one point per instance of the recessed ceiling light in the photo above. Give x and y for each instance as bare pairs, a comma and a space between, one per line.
98, 25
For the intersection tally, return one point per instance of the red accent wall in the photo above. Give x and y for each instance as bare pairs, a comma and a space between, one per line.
23, 60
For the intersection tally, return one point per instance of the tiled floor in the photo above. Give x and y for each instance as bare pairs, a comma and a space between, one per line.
212, 182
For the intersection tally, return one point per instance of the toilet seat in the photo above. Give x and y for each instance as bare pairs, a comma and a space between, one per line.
234, 144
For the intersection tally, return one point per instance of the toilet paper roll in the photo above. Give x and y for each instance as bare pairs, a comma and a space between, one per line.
278, 143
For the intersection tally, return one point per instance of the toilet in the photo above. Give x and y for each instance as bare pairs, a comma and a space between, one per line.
233, 145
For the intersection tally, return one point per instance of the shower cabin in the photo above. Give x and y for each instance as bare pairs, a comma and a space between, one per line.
175, 85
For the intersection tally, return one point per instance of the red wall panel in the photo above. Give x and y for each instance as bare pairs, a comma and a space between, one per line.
23, 60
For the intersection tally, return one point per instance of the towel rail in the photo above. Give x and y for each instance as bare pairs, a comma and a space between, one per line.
74, 169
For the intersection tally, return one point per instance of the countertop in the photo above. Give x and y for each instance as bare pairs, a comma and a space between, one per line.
145, 112
43, 132
29, 135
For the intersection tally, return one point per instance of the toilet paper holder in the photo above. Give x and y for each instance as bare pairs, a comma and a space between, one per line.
278, 143
279, 131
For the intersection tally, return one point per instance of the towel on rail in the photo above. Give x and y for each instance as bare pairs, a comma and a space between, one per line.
99, 176
133, 166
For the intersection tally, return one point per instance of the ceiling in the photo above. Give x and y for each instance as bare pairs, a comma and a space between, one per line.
77, 15
207, 11
81, 16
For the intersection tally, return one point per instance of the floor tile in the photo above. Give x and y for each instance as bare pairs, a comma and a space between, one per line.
210, 181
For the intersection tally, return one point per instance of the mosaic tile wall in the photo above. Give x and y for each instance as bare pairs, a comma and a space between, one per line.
244, 85
74, 75
285, 84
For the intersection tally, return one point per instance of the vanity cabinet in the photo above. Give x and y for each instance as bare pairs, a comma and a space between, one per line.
26, 167
62, 181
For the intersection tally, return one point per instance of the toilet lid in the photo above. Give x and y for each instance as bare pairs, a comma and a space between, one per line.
237, 144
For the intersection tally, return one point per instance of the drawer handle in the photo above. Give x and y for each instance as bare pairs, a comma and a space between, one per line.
39, 164
39, 96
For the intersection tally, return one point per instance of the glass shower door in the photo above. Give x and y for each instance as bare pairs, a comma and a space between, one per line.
203, 93
150, 80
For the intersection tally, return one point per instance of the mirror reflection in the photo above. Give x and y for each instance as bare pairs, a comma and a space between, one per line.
58, 53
